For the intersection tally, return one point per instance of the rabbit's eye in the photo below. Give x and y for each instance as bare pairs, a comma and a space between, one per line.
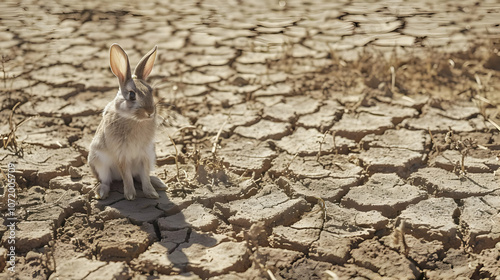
131, 95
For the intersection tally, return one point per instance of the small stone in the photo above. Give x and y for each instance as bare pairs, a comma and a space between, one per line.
74, 173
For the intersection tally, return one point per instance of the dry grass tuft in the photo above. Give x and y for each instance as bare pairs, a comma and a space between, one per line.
9, 141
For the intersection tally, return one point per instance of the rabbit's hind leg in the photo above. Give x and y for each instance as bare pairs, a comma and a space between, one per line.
147, 187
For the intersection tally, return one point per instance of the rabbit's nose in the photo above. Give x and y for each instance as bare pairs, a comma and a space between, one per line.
150, 112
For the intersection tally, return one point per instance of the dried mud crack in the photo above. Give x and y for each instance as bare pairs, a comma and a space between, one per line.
298, 140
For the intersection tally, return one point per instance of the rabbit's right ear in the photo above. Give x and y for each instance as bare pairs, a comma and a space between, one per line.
118, 60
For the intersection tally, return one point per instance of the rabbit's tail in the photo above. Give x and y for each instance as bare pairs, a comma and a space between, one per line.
157, 183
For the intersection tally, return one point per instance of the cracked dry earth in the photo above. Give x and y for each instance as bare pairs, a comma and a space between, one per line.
298, 139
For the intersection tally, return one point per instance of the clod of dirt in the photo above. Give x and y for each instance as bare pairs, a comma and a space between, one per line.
305, 269
330, 189
78, 268
308, 142
361, 224
246, 156
356, 127
32, 234
455, 264
159, 258
384, 261
332, 248
264, 129
390, 160
324, 118
443, 183
396, 113
424, 253
291, 108
112, 270
493, 62
414, 140
437, 123
194, 216
342, 229
352, 271
450, 160
300, 235
217, 260
203, 253
334, 166
122, 241
40, 164
84, 184
272, 209
386, 193
481, 224
433, 219
138, 211
238, 115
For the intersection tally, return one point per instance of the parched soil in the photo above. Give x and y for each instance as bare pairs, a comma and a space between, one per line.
298, 140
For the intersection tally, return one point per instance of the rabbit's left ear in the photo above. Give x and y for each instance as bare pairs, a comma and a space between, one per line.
145, 66
119, 64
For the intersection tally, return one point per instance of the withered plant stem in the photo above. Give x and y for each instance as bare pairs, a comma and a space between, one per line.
176, 157
214, 147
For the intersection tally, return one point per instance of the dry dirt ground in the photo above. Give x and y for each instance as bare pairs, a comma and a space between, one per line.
313, 140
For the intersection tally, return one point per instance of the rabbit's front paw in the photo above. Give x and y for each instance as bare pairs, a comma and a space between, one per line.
150, 192
129, 193
102, 191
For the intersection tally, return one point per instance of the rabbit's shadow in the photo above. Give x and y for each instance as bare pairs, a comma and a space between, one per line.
173, 233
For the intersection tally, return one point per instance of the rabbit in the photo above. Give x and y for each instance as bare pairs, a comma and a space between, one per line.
123, 146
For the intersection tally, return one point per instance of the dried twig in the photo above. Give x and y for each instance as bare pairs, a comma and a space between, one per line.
321, 145
176, 157
216, 140
494, 124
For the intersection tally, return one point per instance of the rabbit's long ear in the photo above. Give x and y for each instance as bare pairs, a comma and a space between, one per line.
118, 60
145, 66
